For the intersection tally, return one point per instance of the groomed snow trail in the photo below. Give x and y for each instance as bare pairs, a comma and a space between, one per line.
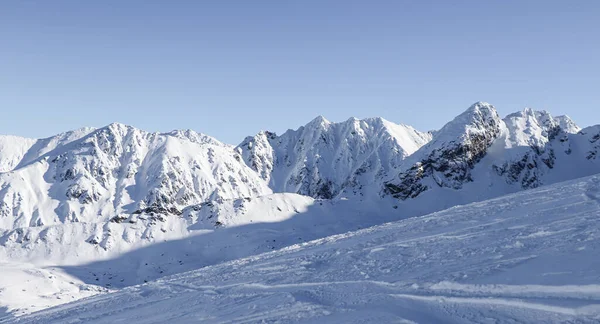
523, 258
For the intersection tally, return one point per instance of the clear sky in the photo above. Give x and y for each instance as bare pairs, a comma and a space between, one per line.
232, 68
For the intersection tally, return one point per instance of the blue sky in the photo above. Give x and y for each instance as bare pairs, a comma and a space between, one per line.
232, 68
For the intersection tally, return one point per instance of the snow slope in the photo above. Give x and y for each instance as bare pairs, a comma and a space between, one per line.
27, 287
525, 257
141, 248
13, 150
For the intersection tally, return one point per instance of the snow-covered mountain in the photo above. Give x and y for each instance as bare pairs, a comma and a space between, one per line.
322, 158
91, 195
478, 156
94, 175
119, 173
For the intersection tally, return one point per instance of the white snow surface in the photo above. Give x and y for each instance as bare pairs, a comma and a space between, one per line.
522, 258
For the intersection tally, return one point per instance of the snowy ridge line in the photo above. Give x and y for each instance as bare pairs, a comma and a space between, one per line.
93, 175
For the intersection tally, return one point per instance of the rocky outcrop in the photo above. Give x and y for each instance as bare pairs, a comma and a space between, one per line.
525, 150
591, 135
448, 159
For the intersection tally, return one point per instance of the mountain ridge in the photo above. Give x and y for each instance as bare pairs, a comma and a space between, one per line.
118, 169
95, 193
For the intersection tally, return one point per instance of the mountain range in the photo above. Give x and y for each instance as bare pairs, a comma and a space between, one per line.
93, 194
94, 175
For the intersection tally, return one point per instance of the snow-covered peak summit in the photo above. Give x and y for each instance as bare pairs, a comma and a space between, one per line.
116, 126
481, 107
477, 126
479, 118
535, 128
447, 160
544, 119
319, 121
118, 131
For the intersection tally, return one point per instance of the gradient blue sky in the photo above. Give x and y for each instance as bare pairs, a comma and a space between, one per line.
232, 68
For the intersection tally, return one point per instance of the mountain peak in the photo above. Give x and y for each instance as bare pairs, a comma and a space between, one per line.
376, 120
528, 111
116, 128
480, 105
117, 125
447, 160
478, 118
536, 127
483, 110
319, 121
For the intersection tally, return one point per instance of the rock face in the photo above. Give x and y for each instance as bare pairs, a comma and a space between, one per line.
478, 156
537, 137
322, 158
448, 159
590, 135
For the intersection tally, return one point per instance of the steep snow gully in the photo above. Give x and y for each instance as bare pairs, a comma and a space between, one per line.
483, 220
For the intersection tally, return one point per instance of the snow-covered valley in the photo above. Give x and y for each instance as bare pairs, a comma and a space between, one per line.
290, 227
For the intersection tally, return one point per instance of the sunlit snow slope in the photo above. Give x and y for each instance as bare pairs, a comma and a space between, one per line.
525, 257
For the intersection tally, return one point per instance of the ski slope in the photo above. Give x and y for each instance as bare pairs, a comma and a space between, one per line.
526, 257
